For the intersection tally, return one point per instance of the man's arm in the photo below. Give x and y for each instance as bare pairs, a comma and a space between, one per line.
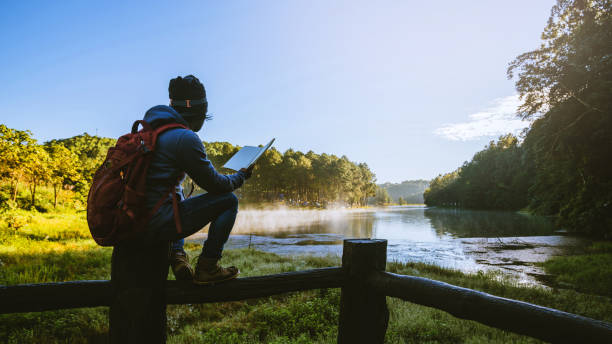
191, 157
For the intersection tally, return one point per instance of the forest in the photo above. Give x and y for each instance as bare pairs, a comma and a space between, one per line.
301, 178
67, 167
406, 192
561, 165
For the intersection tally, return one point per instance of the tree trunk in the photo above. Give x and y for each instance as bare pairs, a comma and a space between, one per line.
54, 196
15, 191
33, 192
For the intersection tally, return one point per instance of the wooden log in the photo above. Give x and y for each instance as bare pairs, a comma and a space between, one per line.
253, 287
138, 306
511, 315
363, 312
63, 295
51, 296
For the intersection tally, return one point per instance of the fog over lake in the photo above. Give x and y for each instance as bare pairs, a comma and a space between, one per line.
460, 239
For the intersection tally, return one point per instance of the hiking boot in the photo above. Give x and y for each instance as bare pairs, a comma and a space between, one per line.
208, 271
180, 266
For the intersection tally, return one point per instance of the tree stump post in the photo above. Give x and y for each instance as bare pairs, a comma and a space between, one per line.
363, 313
138, 279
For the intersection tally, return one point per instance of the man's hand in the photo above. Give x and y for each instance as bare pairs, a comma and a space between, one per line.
247, 171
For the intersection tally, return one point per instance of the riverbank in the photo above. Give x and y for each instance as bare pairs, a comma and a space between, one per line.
57, 247
588, 271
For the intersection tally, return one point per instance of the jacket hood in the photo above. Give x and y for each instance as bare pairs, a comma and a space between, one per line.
163, 114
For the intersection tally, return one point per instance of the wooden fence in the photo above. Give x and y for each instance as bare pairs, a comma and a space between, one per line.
138, 304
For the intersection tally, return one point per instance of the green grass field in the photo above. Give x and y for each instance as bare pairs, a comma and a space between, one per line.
56, 247
589, 271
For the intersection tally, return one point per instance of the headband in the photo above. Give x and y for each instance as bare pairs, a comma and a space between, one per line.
188, 102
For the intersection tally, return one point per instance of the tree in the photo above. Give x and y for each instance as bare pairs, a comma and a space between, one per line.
37, 169
441, 190
63, 168
15, 149
497, 177
566, 85
382, 196
91, 152
300, 178
574, 56
410, 190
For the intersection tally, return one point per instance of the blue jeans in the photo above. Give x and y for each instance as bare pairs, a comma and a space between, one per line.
219, 210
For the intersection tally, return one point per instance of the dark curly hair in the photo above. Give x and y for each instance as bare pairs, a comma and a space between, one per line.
188, 87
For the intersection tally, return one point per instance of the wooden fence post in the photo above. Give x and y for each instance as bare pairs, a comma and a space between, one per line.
138, 307
363, 313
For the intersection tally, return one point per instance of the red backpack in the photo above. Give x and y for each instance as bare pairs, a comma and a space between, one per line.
116, 209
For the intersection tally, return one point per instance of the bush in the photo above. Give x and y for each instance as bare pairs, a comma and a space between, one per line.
16, 219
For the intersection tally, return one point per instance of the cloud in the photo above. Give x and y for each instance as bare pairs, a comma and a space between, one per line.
498, 119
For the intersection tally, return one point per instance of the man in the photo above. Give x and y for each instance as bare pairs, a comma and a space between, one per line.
180, 151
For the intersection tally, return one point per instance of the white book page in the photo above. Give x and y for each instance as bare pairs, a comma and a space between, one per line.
242, 158
263, 150
246, 157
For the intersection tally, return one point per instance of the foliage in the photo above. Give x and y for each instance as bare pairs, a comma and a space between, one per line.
37, 170
90, 152
563, 166
381, 197
411, 191
16, 219
17, 150
497, 177
300, 179
64, 164
570, 78
68, 166
575, 56
63, 168
441, 190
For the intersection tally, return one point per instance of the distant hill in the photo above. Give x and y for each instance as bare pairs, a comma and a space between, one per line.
410, 190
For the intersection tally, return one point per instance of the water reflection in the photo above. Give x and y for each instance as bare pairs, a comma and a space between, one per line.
460, 239
487, 224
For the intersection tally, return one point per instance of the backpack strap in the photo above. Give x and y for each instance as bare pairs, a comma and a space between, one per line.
145, 126
190, 192
175, 210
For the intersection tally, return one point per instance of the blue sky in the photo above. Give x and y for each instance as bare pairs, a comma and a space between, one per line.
413, 88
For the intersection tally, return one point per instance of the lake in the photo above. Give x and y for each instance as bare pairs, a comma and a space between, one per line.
510, 242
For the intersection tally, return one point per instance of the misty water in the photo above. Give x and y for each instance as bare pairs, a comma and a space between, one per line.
469, 241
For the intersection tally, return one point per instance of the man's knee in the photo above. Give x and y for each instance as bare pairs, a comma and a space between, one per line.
232, 201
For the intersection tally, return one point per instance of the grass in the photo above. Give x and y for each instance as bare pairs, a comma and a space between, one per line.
57, 247
589, 272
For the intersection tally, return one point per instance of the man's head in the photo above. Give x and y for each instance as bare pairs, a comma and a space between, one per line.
188, 98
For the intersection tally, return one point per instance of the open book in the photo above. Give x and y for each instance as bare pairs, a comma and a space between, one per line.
246, 157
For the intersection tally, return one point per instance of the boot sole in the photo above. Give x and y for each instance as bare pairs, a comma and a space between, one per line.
216, 281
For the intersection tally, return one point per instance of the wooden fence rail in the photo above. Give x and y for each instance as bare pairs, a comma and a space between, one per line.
363, 311
516, 316
76, 294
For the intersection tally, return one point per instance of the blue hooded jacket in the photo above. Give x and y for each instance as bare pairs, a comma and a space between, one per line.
179, 151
